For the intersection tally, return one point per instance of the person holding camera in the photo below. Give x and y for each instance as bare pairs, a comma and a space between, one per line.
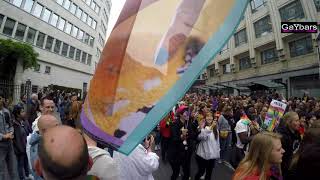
8, 162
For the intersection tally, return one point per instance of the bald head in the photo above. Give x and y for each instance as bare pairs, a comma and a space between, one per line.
47, 121
63, 153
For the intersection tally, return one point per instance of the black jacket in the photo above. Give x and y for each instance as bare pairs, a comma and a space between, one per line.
20, 138
290, 143
177, 151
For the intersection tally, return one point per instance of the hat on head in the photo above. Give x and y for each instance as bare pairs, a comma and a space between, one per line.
182, 108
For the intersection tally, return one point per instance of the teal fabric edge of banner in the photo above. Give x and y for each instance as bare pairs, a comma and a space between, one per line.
208, 52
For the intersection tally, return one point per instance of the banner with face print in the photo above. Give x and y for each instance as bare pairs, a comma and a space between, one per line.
155, 52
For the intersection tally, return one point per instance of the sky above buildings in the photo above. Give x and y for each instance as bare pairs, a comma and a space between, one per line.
114, 14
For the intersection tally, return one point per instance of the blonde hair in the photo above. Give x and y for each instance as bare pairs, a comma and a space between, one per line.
289, 117
258, 158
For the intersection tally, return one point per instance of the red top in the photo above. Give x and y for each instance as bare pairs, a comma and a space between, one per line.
165, 127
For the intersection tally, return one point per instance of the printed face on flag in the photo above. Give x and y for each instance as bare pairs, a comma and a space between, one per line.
155, 52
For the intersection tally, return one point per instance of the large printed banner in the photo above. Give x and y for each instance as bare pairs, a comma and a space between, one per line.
274, 114
155, 52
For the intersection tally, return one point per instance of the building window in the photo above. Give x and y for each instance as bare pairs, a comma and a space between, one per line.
105, 15
91, 41
28, 5
317, 4
78, 54
301, 47
73, 8
88, 2
68, 28
71, 52
60, 2
103, 28
79, 13
244, 63
61, 24
89, 22
80, 35
46, 15
98, 54
94, 24
47, 70
17, 2
8, 26
292, 11
40, 40
89, 59
74, 31
211, 72
269, 56
31, 35
84, 57
256, 4
57, 46
21, 29
86, 38
240, 37
66, 4
37, 10
1, 19
97, 9
64, 51
37, 68
263, 26
84, 17
101, 40
54, 20
49, 43
225, 48
93, 5
226, 69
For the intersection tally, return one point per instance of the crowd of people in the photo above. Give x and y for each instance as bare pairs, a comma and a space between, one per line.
42, 138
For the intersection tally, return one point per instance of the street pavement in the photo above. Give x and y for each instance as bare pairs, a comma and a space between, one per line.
220, 172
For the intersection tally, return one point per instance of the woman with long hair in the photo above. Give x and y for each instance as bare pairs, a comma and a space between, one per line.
208, 149
263, 160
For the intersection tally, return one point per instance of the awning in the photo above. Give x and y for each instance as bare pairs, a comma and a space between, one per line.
270, 84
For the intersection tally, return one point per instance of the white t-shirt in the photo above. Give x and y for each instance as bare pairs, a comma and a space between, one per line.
240, 128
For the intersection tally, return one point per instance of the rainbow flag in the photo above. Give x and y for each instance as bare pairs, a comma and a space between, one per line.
274, 114
155, 52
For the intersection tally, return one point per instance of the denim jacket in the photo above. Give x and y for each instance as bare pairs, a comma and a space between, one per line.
5, 123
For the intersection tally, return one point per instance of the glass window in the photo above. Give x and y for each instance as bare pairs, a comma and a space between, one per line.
91, 41
47, 70
17, 2
89, 22
240, 37
97, 9
28, 5
269, 56
89, 59
263, 26
74, 31
84, 57
80, 35
68, 28
93, 5
78, 54
49, 43
88, 2
57, 46
66, 4
73, 8
37, 68
37, 10
64, 51
60, 2
79, 13
301, 47
31, 35
292, 11
98, 52
211, 72
84, 17
94, 24
46, 15
226, 69
86, 38
244, 63
317, 4
61, 24
1, 19
8, 26
256, 4
21, 29
40, 39
54, 19
103, 28
71, 52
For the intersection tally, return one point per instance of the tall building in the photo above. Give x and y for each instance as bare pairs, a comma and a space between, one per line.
69, 36
258, 53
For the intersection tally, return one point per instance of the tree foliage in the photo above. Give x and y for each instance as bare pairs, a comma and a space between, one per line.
10, 50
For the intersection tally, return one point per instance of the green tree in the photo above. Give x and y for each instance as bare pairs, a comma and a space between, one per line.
14, 51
